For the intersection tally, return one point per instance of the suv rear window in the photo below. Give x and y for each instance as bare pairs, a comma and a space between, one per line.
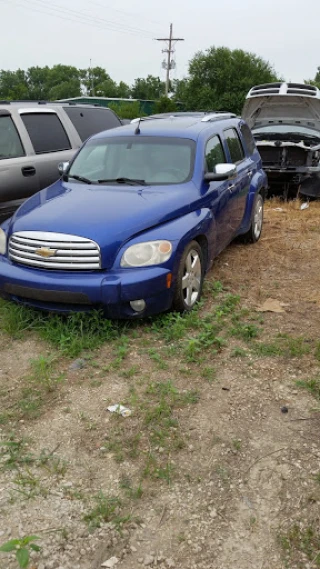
234, 144
91, 121
10, 143
46, 132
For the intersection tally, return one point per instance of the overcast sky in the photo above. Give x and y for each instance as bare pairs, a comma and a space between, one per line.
119, 35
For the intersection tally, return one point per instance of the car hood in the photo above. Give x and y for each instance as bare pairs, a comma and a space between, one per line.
259, 111
108, 215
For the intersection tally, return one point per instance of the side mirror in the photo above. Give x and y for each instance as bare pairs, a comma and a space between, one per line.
221, 172
63, 167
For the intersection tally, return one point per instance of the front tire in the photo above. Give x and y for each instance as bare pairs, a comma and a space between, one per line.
254, 233
189, 279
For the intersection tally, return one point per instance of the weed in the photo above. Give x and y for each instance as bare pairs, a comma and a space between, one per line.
271, 349
317, 351
312, 385
236, 443
131, 372
21, 547
89, 424
71, 334
96, 383
238, 352
14, 453
209, 373
297, 347
28, 485
133, 493
222, 473
122, 350
106, 509
165, 473
245, 331
227, 306
302, 541
285, 346
195, 347
155, 356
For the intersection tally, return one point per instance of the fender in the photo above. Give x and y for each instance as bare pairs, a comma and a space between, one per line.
180, 232
259, 184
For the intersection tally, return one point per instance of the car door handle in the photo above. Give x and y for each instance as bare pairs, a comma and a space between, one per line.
250, 173
231, 187
28, 171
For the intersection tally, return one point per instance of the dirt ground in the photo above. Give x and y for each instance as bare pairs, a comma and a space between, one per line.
240, 484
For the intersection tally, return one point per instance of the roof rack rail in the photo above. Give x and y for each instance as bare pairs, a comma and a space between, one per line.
140, 119
218, 116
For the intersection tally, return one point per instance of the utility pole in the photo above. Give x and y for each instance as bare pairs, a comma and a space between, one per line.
91, 80
169, 64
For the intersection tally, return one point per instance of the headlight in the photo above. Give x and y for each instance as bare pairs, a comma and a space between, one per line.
3, 242
146, 254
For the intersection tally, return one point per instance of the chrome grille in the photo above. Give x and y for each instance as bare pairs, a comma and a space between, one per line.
48, 250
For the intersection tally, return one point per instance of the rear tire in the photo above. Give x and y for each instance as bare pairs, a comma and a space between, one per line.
189, 279
255, 230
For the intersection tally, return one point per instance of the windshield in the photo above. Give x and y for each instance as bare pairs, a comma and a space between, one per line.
282, 129
146, 160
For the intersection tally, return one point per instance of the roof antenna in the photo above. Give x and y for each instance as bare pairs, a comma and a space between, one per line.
137, 131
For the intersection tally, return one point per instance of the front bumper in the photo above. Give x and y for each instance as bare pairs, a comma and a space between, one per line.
66, 292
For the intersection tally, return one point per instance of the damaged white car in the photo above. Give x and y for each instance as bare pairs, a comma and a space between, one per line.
285, 121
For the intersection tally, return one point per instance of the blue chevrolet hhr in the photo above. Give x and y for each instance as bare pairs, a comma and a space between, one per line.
137, 218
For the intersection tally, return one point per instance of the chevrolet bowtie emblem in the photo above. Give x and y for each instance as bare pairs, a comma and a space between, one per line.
45, 252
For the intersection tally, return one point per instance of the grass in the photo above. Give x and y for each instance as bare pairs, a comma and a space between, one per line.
238, 352
312, 385
105, 509
37, 387
154, 431
298, 542
70, 334
286, 346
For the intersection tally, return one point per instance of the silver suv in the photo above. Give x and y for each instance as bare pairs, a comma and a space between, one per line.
35, 137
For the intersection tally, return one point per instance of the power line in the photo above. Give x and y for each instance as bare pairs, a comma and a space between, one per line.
82, 18
154, 22
168, 65
82, 14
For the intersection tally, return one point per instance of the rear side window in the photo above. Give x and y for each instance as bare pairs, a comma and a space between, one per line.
91, 121
10, 143
46, 132
248, 138
214, 153
234, 145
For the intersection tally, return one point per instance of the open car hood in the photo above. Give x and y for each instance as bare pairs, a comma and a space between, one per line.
265, 110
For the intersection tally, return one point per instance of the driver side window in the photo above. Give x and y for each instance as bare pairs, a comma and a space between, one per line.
214, 153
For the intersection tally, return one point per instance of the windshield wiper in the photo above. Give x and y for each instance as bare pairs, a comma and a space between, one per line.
123, 180
79, 178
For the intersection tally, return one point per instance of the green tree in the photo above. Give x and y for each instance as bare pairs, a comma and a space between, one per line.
124, 91
127, 110
38, 83
150, 88
63, 82
220, 78
179, 88
316, 80
165, 105
96, 81
13, 85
